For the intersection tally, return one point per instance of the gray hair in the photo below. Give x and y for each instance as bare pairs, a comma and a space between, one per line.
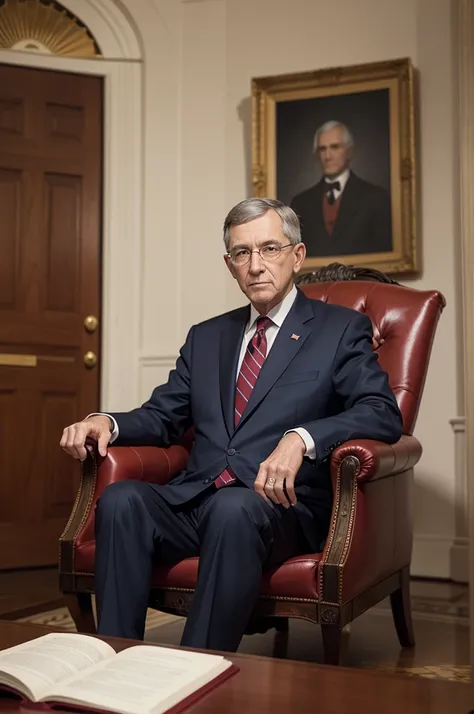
328, 126
252, 208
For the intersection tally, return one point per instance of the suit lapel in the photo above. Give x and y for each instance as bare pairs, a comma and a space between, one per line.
349, 202
230, 344
283, 350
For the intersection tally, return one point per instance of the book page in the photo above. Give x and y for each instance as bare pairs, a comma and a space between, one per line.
35, 667
142, 679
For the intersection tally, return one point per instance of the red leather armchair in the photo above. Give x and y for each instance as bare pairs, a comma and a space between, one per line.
368, 549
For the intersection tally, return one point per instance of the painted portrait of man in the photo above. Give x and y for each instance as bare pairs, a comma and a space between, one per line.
342, 213
333, 158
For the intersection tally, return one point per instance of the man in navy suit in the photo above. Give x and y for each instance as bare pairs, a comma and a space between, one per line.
270, 390
342, 214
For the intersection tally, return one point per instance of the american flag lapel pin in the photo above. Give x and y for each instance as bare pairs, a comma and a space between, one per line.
295, 337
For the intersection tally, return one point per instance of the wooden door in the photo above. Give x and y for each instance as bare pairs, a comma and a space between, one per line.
50, 222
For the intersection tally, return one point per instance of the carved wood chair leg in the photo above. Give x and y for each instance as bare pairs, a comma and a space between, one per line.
332, 642
80, 608
335, 641
401, 611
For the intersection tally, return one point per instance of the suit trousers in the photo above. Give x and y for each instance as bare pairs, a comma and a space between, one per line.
233, 530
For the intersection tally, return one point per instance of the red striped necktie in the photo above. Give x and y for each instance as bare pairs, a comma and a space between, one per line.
254, 359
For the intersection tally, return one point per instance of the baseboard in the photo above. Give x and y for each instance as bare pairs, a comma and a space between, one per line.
432, 556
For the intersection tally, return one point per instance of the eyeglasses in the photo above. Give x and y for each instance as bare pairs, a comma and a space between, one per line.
269, 252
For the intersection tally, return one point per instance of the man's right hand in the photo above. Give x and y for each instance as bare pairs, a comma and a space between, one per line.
75, 437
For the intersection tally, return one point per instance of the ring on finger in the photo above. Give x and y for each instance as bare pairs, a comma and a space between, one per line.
271, 482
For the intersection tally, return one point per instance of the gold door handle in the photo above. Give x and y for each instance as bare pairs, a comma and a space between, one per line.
11, 360
14, 360
91, 323
90, 360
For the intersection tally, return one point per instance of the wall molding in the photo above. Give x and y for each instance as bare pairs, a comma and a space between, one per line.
464, 27
157, 361
459, 567
432, 555
113, 30
153, 370
446, 556
458, 424
436, 556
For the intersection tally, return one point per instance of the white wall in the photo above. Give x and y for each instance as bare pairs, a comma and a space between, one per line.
200, 56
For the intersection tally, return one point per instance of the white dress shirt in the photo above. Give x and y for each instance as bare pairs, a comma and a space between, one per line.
277, 316
343, 179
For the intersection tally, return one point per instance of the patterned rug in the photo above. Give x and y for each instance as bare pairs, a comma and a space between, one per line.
451, 672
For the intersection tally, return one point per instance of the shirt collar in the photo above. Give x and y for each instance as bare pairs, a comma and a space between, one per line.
278, 313
342, 178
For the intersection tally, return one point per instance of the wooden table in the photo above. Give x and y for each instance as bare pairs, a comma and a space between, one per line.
274, 686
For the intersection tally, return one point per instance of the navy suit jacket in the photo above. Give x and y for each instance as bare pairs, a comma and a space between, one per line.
363, 223
328, 381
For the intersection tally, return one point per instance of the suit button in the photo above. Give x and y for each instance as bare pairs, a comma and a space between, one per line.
231, 452
207, 480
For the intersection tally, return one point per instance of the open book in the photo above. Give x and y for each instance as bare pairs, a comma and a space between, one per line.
81, 672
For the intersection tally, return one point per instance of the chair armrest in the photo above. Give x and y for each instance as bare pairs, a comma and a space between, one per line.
376, 459
371, 530
141, 463
145, 463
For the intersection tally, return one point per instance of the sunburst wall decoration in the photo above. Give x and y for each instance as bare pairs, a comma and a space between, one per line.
44, 26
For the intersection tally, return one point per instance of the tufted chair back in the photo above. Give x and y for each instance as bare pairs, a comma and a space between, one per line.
404, 322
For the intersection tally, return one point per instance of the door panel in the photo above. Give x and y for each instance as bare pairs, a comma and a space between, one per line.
50, 198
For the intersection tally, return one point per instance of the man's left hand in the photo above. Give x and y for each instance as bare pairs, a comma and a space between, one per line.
276, 476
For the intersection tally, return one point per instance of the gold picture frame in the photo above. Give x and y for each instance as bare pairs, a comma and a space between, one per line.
286, 111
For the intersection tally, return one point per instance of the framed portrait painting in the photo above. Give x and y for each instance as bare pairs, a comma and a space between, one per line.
338, 146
